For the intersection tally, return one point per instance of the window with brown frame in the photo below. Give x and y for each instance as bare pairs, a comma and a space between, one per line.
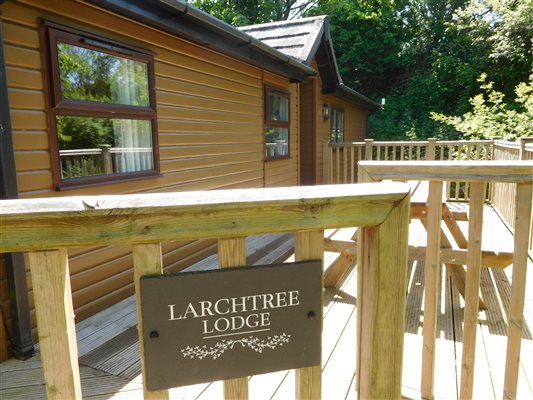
277, 124
337, 125
102, 109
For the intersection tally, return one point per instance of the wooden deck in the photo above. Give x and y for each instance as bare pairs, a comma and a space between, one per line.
109, 355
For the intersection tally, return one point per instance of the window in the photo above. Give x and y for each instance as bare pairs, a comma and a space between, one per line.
102, 114
277, 123
337, 125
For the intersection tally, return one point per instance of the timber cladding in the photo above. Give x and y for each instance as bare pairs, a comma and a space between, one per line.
355, 118
210, 117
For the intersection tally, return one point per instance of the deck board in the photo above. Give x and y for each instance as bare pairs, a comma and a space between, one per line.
110, 360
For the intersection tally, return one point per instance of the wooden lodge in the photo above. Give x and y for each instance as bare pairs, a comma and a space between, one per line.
221, 110
200, 146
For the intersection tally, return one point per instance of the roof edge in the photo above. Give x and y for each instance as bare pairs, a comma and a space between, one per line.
355, 97
202, 28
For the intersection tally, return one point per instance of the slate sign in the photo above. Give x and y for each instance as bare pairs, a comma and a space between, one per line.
224, 324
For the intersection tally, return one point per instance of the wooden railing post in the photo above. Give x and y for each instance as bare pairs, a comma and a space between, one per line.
473, 276
106, 157
309, 245
430, 151
523, 153
382, 298
431, 284
326, 163
55, 323
147, 260
232, 253
368, 149
524, 193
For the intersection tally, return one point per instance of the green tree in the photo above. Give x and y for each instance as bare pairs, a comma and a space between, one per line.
425, 56
491, 117
249, 12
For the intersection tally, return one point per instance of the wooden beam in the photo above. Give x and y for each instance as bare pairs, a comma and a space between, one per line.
463, 171
431, 285
516, 308
456, 271
309, 245
335, 274
36, 224
382, 299
340, 246
232, 253
55, 323
147, 260
419, 211
473, 275
489, 259
453, 227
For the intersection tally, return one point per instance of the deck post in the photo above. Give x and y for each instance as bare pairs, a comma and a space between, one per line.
368, 149
106, 158
430, 152
381, 297
523, 153
147, 259
431, 284
55, 323
326, 161
232, 253
309, 245
516, 308
473, 276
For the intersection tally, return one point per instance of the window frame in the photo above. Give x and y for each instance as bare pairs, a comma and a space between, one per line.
334, 117
269, 123
56, 105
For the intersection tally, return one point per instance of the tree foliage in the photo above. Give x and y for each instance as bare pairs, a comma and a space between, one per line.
423, 56
491, 117
249, 12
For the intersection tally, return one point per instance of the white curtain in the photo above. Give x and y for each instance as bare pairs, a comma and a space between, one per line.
133, 138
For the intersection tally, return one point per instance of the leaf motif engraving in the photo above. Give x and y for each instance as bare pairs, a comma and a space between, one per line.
252, 342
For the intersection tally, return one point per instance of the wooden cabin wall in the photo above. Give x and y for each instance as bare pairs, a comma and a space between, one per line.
285, 172
355, 120
210, 123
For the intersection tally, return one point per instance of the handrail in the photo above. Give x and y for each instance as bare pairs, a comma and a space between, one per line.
46, 227
49, 223
507, 144
478, 174
466, 171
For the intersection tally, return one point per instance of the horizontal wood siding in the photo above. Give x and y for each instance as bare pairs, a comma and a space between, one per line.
284, 172
210, 123
355, 119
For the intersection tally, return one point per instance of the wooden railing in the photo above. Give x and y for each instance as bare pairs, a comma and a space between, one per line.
102, 160
340, 164
503, 194
477, 174
47, 227
340, 159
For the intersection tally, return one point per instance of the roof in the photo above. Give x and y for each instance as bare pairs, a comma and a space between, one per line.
180, 19
306, 39
298, 38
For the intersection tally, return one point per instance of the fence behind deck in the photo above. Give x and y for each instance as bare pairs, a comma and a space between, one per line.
477, 174
340, 164
47, 227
